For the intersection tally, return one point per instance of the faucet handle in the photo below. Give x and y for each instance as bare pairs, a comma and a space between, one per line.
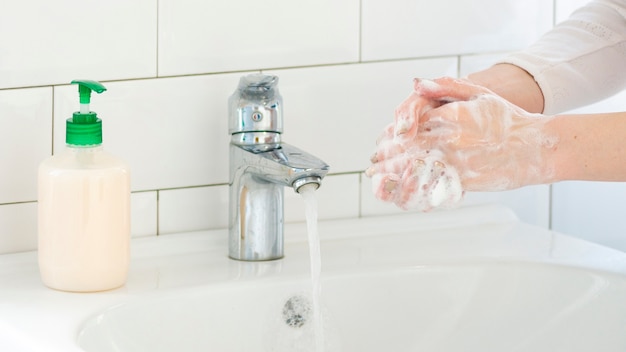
256, 105
258, 87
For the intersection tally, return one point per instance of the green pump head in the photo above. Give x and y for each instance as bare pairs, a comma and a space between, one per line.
85, 128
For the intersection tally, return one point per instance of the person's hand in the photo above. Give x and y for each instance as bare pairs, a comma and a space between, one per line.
405, 174
416, 179
493, 144
475, 137
406, 122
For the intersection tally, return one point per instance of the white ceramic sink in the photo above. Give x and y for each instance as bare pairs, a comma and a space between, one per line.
472, 279
472, 307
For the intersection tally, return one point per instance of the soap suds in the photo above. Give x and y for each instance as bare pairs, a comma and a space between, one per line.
438, 185
426, 184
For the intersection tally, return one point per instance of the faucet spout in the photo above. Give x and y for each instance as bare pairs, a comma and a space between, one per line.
310, 181
282, 163
258, 178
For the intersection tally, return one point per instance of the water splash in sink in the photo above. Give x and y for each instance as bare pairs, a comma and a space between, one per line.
310, 201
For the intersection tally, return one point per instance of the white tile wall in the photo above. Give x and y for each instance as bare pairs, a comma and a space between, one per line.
198, 36
52, 42
591, 210
418, 28
170, 66
192, 209
18, 227
144, 212
25, 125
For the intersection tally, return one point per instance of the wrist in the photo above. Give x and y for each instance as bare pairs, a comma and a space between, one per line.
513, 84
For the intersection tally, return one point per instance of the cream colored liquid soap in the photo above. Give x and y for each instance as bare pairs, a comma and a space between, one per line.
84, 208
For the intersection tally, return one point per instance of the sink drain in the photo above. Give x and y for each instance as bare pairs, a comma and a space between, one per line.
296, 311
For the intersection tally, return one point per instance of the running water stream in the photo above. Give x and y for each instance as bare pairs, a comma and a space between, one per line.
310, 201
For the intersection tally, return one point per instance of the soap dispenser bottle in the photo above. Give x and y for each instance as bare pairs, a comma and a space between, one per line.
84, 208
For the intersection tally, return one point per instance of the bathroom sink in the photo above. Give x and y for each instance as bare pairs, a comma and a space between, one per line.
481, 282
506, 306
470, 279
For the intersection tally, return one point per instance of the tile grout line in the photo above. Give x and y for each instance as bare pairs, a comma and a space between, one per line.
360, 195
158, 213
159, 190
333, 64
157, 38
550, 206
360, 30
18, 203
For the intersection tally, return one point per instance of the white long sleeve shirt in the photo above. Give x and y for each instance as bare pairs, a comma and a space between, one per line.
582, 60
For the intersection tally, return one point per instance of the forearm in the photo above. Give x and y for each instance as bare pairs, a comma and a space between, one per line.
588, 147
513, 84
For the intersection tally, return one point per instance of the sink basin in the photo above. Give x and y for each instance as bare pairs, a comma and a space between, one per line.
507, 306
470, 279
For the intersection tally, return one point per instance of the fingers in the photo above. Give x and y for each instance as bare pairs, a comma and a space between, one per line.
408, 112
427, 193
407, 116
447, 89
384, 186
399, 189
395, 165
417, 183
387, 149
429, 95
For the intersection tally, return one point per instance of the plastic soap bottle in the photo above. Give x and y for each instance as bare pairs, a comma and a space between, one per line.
84, 208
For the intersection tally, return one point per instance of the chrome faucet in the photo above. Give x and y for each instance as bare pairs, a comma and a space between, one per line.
260, 166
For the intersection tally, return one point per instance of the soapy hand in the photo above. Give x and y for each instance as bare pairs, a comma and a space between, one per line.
412, 177
457, 137
416, 179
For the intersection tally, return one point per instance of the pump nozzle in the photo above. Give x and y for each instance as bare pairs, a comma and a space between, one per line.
85, 128
84, 90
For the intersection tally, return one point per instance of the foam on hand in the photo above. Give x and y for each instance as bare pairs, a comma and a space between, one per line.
425, 183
